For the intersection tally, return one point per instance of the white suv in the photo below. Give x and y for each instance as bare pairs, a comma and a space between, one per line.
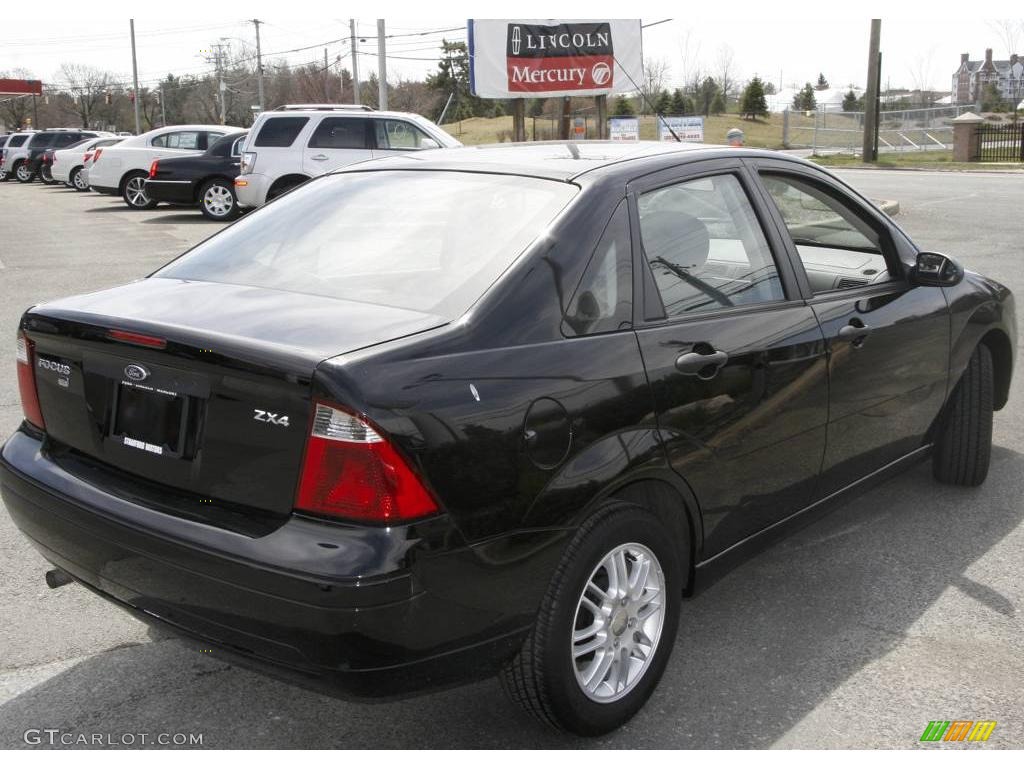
290, 145
123, 168
15, 147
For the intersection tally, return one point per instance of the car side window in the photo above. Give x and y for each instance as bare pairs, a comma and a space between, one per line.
705, 247
339, 133
839, 249
604, 299
236, 146
398, 134
178, 140
280, 131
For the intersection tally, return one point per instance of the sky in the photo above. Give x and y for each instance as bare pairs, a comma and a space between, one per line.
921, 45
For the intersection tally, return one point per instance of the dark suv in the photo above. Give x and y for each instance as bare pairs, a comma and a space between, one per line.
28, 169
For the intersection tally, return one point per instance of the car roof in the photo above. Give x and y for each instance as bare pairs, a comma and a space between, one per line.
558, 160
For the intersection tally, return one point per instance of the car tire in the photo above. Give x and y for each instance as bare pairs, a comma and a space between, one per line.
579, 692
23, 173
217, 200
46, 175
76, 181
133, 191
3, 175
963, 451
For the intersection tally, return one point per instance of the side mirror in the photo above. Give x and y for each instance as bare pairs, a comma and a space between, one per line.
429, 144
936, 269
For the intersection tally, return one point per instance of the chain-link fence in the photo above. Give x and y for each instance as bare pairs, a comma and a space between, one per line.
913, 130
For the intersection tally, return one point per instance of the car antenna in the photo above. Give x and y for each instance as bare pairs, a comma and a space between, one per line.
648, 101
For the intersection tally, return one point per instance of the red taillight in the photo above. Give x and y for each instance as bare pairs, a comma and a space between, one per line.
142, 339
96, 157
26, 354
85, 158
152, 168
351, 471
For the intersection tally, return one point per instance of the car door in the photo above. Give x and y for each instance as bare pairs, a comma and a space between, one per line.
734, 356
888, 342
336, 142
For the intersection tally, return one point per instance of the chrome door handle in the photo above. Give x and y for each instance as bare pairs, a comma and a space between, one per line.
319, 157
700, 365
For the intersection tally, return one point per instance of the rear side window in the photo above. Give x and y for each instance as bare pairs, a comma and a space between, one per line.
398, 134
179, 140
66, 139
339, 133
16, 141
41, 140
280, 131
604, 300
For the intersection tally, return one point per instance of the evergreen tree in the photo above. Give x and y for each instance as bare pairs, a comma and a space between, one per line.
851, 103
992, 99
706, 95
452, 76
753, 103
822, 84
663, 104
718, 103
804, 100
681, 104
623, 107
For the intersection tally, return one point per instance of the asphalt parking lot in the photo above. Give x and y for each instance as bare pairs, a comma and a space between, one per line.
900, 608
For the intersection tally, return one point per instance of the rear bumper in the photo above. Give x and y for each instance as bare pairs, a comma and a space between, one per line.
178, 192
251, 189
291, 602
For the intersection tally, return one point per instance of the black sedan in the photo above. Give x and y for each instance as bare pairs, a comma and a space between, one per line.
494, 410
206, 180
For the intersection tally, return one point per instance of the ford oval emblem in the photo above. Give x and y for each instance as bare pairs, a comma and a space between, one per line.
136, 372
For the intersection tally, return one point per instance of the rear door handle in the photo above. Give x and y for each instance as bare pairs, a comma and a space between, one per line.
318, 157
703, 366
855, 332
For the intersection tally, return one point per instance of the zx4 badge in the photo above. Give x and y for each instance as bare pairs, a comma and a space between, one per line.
270, 418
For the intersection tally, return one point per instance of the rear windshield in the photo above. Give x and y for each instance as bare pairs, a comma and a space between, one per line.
423, 240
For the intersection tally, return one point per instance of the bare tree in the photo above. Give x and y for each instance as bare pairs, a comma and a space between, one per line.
727, 75
655, 75
87, 86
689, 59
921, 70
15, 110
1009, 31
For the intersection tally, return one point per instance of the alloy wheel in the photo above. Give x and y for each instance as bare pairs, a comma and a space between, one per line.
218, 201
619, 618
23, 173
135, 190
78, 181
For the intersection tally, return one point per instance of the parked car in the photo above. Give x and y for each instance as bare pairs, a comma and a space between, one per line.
68, 165
123, 169
13, 152
206, 180
290, 145
44, 141
494, 409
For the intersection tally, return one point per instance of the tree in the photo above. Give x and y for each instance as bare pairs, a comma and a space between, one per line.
753, 104
706, 95
536, 108
804, 100
664, 103
718, 105
623, 107
726, 72
992, 99
851, 103
15, 110
655, 72
87, 86
452, 76
822, 84
681, 103
769, 88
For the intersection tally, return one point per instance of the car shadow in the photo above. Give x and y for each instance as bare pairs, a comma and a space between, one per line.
756, 654
179, 216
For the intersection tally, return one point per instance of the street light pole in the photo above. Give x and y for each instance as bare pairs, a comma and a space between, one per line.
355, 61
135, 79
869, 150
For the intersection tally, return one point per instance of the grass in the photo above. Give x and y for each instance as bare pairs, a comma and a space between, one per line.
765, 133
937, 160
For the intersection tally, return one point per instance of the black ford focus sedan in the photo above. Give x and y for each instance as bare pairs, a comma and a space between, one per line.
494, 410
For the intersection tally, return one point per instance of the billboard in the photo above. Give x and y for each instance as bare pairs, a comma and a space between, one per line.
20, 87
624, 128
686, 128
526, 58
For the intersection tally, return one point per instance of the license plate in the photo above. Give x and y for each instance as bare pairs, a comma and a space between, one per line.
150, 419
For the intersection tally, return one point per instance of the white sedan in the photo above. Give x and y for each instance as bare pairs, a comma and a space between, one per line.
68, 164
123, 169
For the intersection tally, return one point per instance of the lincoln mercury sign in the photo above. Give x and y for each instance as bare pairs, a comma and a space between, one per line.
511, 59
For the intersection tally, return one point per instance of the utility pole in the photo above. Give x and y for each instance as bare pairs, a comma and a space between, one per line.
869, 150
382, 67
355, 61
135, 79
163, 107
259, 64
218, 61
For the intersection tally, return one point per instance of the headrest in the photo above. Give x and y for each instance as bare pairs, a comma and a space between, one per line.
678, 238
